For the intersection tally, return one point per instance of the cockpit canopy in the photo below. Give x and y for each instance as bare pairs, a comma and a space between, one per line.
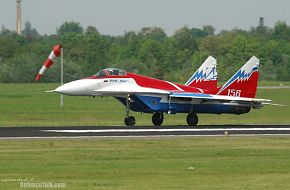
110, 72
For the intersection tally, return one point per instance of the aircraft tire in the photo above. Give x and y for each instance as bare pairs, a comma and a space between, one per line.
129, 121
192, 119
157, 118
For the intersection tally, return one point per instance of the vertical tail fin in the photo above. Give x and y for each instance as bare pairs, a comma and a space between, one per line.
244, 82
206, 75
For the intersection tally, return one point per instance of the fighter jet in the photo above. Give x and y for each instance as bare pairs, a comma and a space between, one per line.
200, 93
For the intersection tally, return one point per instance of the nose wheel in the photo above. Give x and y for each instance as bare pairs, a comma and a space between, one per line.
129, 120
157, 118
192, 119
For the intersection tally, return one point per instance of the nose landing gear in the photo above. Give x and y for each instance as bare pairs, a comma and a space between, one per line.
129, 120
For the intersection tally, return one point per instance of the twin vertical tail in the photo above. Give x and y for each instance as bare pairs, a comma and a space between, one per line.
206, 75
244, 82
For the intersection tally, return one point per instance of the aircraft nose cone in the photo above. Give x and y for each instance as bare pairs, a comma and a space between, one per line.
72, 88
77, 88
64, 89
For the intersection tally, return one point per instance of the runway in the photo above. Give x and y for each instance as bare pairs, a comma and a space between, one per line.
138, 132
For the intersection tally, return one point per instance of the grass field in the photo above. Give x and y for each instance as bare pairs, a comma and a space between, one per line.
149, 163
30, 105
138, 163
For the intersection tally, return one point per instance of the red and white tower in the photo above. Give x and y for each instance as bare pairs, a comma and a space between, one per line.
18, 17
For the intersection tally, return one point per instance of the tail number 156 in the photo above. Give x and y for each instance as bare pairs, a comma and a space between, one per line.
234, 92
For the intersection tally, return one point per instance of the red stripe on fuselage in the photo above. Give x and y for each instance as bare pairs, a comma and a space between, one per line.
149, 82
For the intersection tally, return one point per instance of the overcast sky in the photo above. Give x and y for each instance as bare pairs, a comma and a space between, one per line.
114, 17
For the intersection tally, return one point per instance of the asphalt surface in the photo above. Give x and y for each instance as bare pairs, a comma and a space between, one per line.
122, 131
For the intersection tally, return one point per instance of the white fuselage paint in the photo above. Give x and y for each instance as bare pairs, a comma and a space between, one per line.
82, 87
105, 86
87, 87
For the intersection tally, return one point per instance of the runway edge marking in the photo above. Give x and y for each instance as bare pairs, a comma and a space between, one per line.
138, 136
164, 130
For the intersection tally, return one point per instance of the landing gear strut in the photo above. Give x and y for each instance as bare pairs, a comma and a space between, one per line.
157, 118
192, 119
129, 120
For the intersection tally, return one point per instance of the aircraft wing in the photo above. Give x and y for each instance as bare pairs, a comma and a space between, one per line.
208, 98
117, 90
121, 90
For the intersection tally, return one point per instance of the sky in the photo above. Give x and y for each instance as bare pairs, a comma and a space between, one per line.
114, 17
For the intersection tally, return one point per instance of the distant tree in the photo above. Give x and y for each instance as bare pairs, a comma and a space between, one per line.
72, 71
96, 52
169, 53
281, 31
151, 55
273, 50
7, 33
29, 32
131, 44
198, 33
8, 47
91, 30
148, 51
18, 69
268, 71
208, 29
242, 48
216, 45
261, 29
134, 65
155, 33
70, 27
283, 72
185, 39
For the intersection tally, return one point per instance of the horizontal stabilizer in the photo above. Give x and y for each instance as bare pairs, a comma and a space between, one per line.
208, 97
281, 105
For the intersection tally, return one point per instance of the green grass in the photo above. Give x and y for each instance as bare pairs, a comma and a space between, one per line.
30, 105
146, 163
274, 83
150, 163
267, 83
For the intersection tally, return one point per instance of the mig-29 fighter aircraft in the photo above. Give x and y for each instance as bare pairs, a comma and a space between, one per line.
200, 94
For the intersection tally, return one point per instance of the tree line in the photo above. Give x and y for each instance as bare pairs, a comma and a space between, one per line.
149, 51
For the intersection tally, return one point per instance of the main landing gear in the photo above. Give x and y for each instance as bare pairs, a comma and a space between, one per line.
157, 118
129, 120
192, 119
